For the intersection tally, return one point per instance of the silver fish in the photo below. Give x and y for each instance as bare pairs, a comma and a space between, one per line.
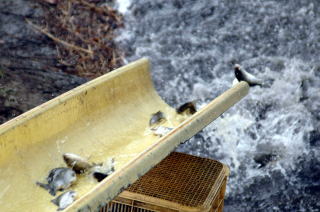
161, 130
99, 172
77, 163
156, 118
242, 75
58, 180
64, 200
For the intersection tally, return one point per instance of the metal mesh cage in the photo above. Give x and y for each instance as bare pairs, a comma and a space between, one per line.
180, 182
121, 207
180, 178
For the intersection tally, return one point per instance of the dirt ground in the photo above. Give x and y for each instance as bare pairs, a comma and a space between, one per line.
34, 68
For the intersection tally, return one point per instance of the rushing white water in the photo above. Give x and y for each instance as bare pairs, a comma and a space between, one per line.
123, 5
271, 139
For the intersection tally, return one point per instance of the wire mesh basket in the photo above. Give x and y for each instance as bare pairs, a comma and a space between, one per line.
181, 182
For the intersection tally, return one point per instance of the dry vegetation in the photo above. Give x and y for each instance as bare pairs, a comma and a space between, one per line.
83, 31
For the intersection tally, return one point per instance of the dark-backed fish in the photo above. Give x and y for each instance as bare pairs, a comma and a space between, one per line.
188, 108
78, 164
99, 172
264, 158
157, 118
58, 180
99, 176
242, 75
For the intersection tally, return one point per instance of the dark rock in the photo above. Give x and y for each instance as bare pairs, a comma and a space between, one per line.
29, 74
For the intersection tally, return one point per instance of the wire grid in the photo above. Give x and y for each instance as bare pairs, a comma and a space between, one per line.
121, 207
180, 178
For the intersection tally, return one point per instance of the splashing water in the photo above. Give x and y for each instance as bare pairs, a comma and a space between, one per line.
271, 139
122, 5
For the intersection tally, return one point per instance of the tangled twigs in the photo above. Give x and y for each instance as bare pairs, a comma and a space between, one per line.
84, 33
68, 45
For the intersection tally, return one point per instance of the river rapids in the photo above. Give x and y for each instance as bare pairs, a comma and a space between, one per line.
271, 139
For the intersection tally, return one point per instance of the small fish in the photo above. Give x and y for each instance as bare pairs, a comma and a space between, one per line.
58, 180
157, 118
161, 130
77, 163
242, 75
188, 107
99, 176
99, 172
264, 159
64, 200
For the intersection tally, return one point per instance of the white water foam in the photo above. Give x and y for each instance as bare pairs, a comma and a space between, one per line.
123, 5
265, 138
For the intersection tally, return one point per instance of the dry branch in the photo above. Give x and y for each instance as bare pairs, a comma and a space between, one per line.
84, 32
69, 45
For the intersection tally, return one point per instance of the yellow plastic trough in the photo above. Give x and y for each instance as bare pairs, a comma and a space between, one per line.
106, 117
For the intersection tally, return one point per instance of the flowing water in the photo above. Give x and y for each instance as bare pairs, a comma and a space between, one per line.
271, 139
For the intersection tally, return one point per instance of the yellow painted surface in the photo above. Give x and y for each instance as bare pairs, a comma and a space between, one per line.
106, 117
